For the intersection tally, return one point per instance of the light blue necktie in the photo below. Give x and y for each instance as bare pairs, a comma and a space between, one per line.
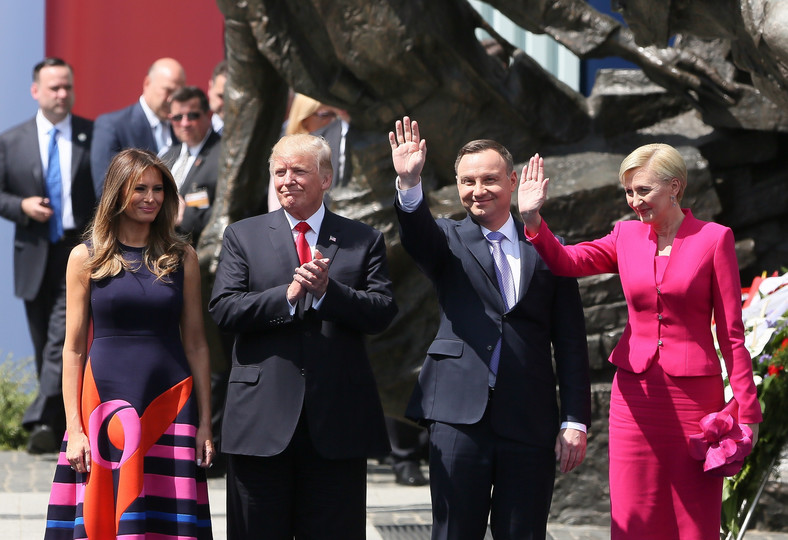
506, 285
55, 189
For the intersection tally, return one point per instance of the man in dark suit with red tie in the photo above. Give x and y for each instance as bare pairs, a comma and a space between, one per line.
300, 288
487, 389
46, 189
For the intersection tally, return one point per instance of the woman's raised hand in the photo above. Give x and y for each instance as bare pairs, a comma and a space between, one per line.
531, 193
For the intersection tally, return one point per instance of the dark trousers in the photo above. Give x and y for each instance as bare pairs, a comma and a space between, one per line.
474, 474
46, 320
296, 494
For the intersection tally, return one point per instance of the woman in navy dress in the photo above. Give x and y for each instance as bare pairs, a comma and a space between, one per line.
135, 370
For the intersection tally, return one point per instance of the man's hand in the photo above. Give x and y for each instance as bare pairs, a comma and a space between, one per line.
37, 208
531, 193
408, 152
570, 448
309, 277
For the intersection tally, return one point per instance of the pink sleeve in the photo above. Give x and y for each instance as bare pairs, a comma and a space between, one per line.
583, 259
726, 291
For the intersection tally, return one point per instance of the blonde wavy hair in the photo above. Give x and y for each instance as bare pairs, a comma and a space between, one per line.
165, 250
302, 108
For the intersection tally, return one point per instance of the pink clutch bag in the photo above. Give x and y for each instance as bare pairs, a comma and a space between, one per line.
722, 444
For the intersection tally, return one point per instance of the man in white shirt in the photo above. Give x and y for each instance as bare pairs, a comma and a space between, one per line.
46, 189
510, 332
144, 124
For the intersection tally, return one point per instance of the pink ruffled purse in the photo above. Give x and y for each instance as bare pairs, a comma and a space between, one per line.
723, 443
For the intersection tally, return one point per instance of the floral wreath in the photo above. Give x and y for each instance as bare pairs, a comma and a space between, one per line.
765, 315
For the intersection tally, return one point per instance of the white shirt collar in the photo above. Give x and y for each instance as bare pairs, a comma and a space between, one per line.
196, 149
314, 221
44, 126
153, 120
509, 230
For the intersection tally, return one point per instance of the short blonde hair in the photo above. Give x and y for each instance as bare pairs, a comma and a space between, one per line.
661, 159
304, 144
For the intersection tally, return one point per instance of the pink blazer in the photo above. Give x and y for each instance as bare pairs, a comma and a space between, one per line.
670, 322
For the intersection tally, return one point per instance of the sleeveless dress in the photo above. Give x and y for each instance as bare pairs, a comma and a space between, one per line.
141, 419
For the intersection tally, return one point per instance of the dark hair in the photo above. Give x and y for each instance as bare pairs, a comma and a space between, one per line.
220, 69
480, 145
185, 93
49, 61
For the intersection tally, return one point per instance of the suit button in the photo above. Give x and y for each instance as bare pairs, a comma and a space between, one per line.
303, 372
489, 347
504, 317
659, 317
658, 291
659, 343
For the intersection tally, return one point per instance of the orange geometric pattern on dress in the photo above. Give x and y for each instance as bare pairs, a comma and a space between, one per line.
103, 506
115, 433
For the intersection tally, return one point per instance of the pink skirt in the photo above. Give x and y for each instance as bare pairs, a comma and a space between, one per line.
657, 491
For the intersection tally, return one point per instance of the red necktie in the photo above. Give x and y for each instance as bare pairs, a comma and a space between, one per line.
302, 246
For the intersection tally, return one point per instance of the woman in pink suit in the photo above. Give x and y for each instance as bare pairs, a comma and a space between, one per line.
676, 272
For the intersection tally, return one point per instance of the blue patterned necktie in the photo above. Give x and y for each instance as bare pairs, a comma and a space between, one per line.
506, 285
54, 189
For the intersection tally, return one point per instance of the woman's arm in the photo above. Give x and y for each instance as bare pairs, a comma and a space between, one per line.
196, 348
74, 355
726, 287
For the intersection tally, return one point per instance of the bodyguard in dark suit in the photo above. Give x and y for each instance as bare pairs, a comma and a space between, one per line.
46, 189
143, 124
194, 162
337, 135
487, 389
303, 412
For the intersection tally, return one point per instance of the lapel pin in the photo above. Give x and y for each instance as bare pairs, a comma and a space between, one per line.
197, 163
332, 238
82, 137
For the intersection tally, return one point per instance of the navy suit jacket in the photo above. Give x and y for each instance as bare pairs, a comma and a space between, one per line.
203, 175
314, 360
453, 382
116, 131
22, 176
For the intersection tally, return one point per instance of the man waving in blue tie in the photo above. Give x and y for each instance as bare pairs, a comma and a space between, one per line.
487, 390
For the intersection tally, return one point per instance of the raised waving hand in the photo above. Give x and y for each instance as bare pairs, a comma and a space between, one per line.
408, 152
532, 193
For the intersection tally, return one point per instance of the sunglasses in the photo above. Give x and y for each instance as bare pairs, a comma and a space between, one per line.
193, 115
325, 114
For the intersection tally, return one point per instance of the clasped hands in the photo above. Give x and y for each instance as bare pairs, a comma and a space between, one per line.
310, 277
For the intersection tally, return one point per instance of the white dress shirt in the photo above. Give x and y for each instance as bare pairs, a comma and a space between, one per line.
43, 127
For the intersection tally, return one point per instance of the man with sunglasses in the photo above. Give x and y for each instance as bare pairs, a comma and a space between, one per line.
194, 162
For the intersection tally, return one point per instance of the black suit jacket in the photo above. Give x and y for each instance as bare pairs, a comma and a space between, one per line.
315, 360
203, 175
116, 131
332, 133
453, 383
21, 176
